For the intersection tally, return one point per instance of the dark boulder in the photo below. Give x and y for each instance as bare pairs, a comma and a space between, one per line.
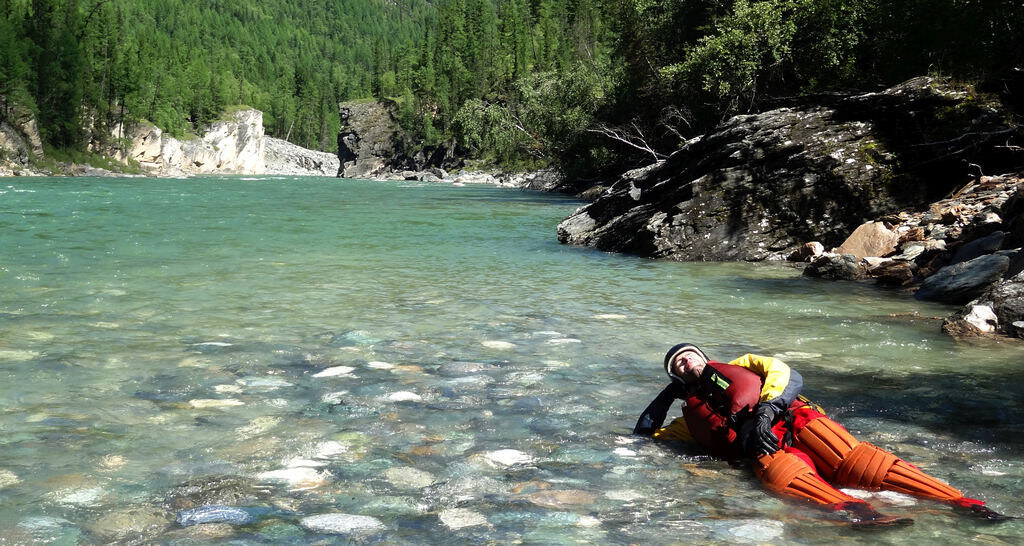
761, 185
838, 267
965, 281
893, 272
979, 247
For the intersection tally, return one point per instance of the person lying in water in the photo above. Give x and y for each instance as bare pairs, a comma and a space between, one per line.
751, 407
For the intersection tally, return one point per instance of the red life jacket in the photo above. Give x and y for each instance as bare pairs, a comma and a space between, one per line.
713, 405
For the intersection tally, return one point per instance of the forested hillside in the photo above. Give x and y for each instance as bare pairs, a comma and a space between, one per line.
585, 83
179, 63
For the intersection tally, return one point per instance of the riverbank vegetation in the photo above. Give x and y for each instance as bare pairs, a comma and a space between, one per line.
586, 84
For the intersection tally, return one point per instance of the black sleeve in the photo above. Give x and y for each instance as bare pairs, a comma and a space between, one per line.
654, 416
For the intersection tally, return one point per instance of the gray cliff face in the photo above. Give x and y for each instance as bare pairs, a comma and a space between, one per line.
762, 185
370, 145
283, 157
20, 141
366, 140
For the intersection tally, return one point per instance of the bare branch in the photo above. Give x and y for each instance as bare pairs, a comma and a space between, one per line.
634, 138
973, 133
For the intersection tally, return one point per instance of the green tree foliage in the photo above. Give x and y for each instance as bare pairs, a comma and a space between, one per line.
510, 80
180, 63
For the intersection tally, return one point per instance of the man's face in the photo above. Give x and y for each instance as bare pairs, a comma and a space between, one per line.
688, 365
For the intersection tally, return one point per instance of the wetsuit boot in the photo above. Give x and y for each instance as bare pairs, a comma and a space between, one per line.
848, 462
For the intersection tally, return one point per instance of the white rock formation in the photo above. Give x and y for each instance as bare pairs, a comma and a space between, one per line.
234, 146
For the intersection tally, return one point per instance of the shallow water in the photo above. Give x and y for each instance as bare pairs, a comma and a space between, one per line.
430, 357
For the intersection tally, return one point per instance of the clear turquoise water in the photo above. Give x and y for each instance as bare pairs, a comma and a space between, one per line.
310, 346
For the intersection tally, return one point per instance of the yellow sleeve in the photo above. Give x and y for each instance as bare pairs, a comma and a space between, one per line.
676, 430
774, 371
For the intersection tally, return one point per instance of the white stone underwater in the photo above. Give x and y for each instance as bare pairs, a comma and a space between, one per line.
275, 360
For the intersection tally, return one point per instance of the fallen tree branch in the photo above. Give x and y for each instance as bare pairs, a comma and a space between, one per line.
634, 138
965, 135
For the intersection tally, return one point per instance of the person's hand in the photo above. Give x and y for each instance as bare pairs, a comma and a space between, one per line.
764, 441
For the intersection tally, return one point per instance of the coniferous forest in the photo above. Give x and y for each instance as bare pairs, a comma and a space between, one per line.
580, 83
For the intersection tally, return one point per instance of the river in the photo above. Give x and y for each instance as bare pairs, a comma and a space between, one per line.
335, 360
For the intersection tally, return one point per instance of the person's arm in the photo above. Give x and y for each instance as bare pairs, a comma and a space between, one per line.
782, 384
654, 416
781, 387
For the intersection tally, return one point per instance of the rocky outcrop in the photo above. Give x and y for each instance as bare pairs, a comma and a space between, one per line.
20, 142
366, 140
760, 186
233, 146
370, 145
964, 250
284, 158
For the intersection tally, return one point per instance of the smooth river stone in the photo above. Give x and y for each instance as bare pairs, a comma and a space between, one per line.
118, 526
335, 371
341, 523
8, 478
268, 383
214, 513
457, 518
507, 457
408, 477
77, 497
757, 530
258, 425
328, 449
43, 530
560, 499
501, 345
624, 495
211, 403
404, 396
17, 355
298, 478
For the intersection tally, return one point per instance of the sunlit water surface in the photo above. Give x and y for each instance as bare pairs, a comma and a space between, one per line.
430, 357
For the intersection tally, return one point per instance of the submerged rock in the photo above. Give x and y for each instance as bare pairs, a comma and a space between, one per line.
561, 499
458, 518
407, 477
298, 477
215, 490
341, 523
8, 478
507, 457
48, 530
133, 523
214, 513
335, 371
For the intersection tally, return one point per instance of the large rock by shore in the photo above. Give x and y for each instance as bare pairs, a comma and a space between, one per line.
793, 182
761, 185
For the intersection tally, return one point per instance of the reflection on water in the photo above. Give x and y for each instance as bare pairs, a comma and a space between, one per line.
291, 360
